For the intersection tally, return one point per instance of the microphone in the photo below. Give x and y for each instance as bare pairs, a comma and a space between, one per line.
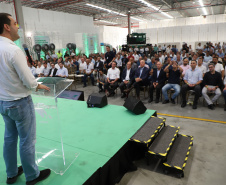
27, 53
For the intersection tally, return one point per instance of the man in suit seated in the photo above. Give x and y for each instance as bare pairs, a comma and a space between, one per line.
158, 81
127, 79
141, 79
97, 66
52, 71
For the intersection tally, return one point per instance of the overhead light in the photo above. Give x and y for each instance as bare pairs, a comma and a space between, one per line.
155, 8
167, 15
203, 8
148, 4
105, 9
29, 34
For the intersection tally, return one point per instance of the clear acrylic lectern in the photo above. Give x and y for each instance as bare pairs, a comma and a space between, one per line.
50, 150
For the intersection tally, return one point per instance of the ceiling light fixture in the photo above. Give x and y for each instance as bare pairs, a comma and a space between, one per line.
155, 8
203, 8
110, 11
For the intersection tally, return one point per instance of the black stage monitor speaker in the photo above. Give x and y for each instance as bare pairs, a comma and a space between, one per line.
134, 105
97, 100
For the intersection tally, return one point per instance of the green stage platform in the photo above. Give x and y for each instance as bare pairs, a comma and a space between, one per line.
96, 133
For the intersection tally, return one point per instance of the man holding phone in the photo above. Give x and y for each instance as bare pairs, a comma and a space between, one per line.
16, 106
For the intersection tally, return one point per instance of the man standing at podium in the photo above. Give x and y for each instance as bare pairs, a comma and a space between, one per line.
16, 106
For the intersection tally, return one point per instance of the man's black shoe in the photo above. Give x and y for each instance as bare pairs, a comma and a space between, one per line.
13, 179
150, 100
165, 102
224, 107
123, 95
211, 106
183, 104
43, 175
157, 101
194, 106
101, 90
172, 101
111, 94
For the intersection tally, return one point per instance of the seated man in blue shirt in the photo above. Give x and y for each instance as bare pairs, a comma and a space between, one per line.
193, 78
173, 82
62, 71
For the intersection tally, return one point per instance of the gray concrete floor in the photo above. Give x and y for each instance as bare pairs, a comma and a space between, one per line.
207, 161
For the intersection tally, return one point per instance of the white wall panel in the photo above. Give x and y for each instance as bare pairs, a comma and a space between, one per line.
212, 33
154, 36
169, 34
221, 32
203, 33
194, 30
161, 35
177, 34
185, 33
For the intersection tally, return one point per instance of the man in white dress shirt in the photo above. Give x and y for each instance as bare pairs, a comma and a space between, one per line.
32, 68
54, 55
39, 69
62, 71
113, 76
82, 65
45, 69
16, 106
88, 71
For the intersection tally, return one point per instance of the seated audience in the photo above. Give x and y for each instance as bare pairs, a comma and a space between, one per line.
52, 71
173, 82
141, 79
113, 76
32, 68
101, 79
39, 69
193, 78
158, 81
88, 71
218, 67
82, 65
133, 64
54, 55
45, 70
212, 83
127, 79
185, 66
201, 67
62, 71
75, 64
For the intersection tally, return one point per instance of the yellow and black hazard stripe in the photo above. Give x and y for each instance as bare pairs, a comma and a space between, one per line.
171, 143
186, 158
153, 135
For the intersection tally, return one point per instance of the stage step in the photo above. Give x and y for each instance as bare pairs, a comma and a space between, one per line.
164, 141
178, 155
149, 130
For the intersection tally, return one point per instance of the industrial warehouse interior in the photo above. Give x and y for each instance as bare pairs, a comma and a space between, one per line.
113, 92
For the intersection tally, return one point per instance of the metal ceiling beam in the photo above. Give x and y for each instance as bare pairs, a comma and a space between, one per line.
172, 5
